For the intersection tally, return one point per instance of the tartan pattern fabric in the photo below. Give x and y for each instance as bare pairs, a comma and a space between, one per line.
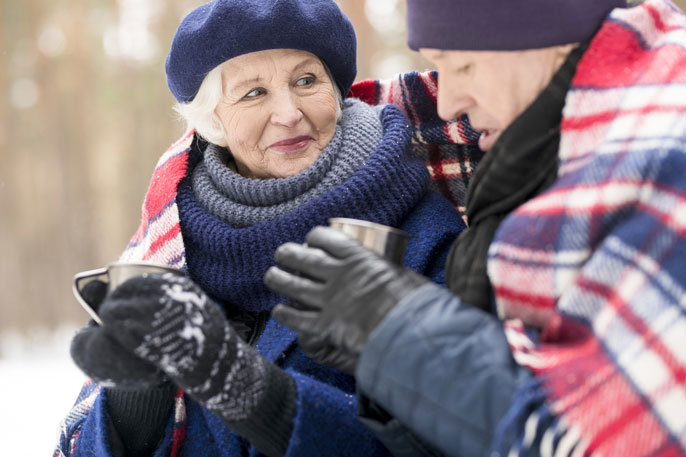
448, 148
598, 261
71, 424
158, 238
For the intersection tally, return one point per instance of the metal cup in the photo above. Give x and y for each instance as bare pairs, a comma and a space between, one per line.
114, 275
387, 241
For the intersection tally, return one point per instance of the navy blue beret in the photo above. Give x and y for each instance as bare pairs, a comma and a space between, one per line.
222, 29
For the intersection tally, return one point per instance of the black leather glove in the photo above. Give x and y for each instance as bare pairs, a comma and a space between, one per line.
342, 292
103, 359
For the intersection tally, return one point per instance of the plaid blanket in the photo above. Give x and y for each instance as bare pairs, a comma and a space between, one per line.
449, 150
598, 261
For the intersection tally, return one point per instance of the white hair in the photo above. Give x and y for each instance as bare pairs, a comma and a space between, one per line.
200, 114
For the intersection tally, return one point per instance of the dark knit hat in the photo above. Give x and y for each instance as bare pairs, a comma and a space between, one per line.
498, 25
222, 29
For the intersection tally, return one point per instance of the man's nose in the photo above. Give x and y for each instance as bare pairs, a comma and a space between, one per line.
286, 110
452, 101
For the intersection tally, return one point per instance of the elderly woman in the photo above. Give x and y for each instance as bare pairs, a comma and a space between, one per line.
274, 150
577, 224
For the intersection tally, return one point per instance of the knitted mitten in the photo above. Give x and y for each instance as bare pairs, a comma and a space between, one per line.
104, 360
139, 395
168, 321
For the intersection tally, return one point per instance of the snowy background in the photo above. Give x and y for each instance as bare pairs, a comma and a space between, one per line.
38, 385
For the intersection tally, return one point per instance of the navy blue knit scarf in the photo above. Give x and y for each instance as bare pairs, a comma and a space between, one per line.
229, 262
243, 202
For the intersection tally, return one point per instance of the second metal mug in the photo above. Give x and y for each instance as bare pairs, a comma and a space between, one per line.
387, 241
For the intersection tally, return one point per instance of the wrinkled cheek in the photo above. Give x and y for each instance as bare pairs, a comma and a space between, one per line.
251, 154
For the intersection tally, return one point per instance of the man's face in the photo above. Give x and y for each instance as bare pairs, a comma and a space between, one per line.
491, 87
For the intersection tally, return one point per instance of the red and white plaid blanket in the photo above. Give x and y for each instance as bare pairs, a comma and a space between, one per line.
598, 261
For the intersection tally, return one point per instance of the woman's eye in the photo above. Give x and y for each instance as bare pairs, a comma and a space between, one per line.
255, 93
305, 81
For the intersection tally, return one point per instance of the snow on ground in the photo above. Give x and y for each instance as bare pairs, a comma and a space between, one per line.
38, 385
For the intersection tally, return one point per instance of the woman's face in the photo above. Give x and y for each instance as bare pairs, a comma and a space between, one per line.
492, 87
278, 111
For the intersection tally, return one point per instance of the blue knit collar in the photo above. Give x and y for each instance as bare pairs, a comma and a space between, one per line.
229, 263
242, 202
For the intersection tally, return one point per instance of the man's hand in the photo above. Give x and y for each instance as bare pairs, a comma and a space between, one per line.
341, 290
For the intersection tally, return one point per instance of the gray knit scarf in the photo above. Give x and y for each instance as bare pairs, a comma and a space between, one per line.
242, 202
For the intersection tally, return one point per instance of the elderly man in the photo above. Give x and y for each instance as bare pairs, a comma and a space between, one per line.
563, 331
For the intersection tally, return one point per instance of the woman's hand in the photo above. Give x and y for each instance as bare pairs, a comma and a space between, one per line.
168, 322
342, 292
166, 326
106, 361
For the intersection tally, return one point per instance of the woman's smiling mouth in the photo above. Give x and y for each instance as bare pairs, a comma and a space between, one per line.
292, 145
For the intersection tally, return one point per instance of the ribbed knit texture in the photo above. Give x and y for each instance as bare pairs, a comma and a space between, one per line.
270, 424
139, 416
242, 202
229, 263
496, 25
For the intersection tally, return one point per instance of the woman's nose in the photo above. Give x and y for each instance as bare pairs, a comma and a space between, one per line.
286, 111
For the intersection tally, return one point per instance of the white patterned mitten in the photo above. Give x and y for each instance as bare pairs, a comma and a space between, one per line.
170, 322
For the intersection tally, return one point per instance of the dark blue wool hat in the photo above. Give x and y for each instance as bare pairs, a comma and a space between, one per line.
222, 29
498, 25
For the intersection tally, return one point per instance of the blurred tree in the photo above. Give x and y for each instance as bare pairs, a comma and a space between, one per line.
83, 122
